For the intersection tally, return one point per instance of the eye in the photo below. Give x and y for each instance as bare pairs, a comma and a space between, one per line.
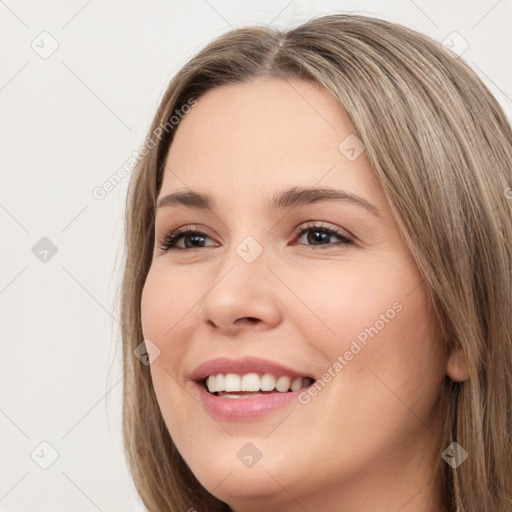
319, 235
192, 238
195, 239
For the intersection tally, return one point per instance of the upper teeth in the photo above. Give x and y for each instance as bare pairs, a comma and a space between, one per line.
253, 382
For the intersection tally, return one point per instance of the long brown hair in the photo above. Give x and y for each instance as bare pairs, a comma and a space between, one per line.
441, 148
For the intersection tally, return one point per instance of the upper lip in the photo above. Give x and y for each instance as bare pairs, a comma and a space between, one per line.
242, 366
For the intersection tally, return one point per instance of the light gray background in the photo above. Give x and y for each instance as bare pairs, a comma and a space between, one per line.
68, 122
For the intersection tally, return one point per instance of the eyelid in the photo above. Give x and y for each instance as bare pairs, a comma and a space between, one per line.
322, 225
185, 227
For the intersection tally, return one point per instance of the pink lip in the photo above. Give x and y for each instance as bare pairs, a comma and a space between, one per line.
242, 366
243, 409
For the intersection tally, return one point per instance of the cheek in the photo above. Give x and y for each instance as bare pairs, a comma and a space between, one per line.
353, 300
167, 303
169, 312
160, 315
378, 319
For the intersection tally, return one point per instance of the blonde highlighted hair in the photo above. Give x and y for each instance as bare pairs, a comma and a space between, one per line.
441, 148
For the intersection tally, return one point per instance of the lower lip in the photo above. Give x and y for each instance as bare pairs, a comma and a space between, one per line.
245, 408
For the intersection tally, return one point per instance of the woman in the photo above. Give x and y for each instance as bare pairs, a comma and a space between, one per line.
319, 268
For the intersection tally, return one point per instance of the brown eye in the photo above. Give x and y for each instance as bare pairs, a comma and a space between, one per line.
320, 235
193, 239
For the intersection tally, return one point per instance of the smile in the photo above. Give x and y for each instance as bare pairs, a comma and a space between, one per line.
246, 388
232, 385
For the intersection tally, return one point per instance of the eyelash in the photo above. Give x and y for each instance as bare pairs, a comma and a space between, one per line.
169, 240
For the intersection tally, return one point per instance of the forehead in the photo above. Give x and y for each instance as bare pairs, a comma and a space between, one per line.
262, 115
264, 134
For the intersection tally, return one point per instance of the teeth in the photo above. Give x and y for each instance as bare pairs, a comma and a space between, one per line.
253, 382
283, 384
296, 384
268, 382
232, 382
219, 382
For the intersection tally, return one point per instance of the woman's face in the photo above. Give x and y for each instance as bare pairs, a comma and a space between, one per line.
250, 295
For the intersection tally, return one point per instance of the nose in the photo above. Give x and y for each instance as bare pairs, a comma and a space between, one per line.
242, 296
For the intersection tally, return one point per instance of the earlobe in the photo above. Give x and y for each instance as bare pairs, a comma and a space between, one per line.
457, 366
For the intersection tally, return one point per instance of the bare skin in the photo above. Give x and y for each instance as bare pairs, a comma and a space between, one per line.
368, 440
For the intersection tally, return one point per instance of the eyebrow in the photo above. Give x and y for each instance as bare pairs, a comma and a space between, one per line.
292, 197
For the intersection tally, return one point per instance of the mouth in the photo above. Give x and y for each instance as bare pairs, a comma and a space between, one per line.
247, 388
236, 386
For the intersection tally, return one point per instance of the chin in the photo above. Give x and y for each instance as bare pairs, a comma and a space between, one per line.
247, 490
223, 474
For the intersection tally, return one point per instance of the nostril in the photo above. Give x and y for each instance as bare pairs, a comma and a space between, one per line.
250, 319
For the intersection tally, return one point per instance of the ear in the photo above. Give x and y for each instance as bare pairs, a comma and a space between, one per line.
457, 366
